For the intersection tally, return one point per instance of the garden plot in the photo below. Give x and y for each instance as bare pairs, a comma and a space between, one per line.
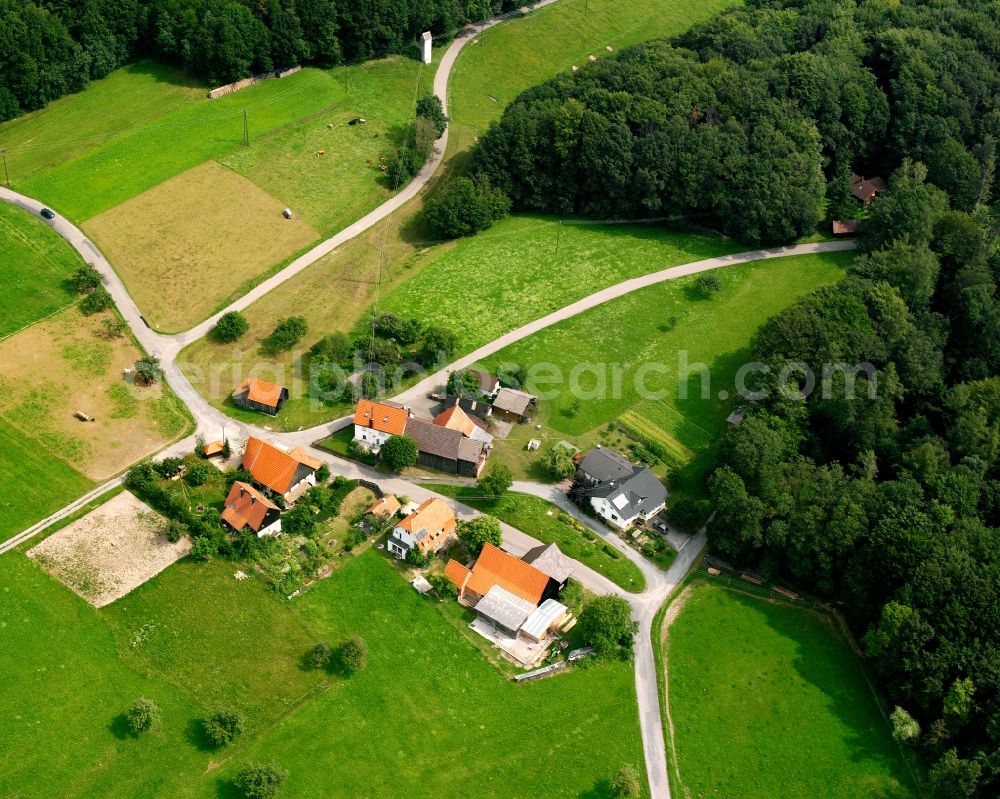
113, 549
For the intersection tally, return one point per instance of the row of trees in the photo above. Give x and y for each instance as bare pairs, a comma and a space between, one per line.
886, 498
752, 122
48, 49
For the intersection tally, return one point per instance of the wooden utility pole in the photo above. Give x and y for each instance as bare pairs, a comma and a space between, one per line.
246, 130
558, 236
6, 174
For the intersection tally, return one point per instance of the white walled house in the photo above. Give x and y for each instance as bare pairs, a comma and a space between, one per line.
621, 492
376, 422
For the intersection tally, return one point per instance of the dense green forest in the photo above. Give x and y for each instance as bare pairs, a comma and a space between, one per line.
49, 48
752, 122
884, 496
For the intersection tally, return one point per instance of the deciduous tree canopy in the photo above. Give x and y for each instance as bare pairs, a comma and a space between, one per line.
754, 121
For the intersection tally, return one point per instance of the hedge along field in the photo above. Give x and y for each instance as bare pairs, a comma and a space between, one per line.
36, 265
660, 325
193, 637
767, 700
515, 56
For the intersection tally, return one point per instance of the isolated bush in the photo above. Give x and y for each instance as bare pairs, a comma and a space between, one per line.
626, 784
203, 548
287, 333
353, 655
478, 532
462, 383
319, 656
606, 624
497, 482
86, 279
197, 474
223, 725
416, 558
465, 207
442, 585
323, 474
399, 452
261, 780
439, 343
231, 326
114, 327
147, 369
96, 301
512, 375
429, 107
559, 463
175, 531
707, 285
142, 716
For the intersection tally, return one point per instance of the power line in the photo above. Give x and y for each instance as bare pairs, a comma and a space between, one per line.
397, 179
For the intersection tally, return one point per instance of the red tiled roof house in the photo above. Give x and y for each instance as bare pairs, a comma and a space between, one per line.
247, 508
289, 474
376, 422
428, 529
259, 395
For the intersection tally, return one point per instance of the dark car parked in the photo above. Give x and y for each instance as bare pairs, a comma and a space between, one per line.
47, 213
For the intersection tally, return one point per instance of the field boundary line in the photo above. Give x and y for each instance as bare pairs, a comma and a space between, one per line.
42, 319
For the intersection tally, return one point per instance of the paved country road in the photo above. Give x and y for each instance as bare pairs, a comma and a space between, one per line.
659, 584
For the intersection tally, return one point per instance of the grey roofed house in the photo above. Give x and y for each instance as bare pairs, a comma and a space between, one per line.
504, 609
487, 382
513, 402
640, 494
445, 449
549, 560
601, 465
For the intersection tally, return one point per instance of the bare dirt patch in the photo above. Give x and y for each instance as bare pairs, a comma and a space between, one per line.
186, 245
113, 549
65, 364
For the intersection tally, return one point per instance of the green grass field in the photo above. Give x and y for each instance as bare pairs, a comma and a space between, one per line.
332, 190
767, 700
519, 54
628, 354
35, 265
33, 483
427, 718
83, 166
530, 515
528, 266
74, 125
